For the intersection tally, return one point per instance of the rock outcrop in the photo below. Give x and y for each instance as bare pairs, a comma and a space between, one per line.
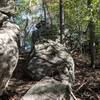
48, 89
51, 60
8, 52
8, 42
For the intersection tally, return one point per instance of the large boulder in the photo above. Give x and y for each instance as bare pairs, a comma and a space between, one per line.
8, 42
8, 52
48, 89
51, 59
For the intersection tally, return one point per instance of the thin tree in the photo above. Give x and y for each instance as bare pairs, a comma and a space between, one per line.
48, 13
44, 10
91, 27
61, 16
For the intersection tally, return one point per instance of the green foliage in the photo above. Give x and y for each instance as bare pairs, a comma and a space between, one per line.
76, 12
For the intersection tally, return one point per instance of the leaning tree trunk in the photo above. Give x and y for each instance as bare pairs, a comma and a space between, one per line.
50, 18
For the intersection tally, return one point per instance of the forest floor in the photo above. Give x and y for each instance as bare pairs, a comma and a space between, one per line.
86, 87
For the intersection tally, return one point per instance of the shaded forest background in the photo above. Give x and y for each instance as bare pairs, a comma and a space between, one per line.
72, 23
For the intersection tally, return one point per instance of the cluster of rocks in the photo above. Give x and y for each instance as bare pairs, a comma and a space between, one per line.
53, 67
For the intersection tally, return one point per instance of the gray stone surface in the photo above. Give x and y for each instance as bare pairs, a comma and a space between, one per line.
48, 89
7, 9
8, 52
51, 60
8, 42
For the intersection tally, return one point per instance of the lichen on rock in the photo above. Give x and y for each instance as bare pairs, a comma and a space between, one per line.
51, 60
8, 52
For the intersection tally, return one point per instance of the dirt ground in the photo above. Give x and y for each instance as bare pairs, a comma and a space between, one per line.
86, 87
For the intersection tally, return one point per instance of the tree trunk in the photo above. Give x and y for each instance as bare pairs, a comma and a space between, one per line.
44, 9
61, 14
92, 34
92, 43
50, 19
